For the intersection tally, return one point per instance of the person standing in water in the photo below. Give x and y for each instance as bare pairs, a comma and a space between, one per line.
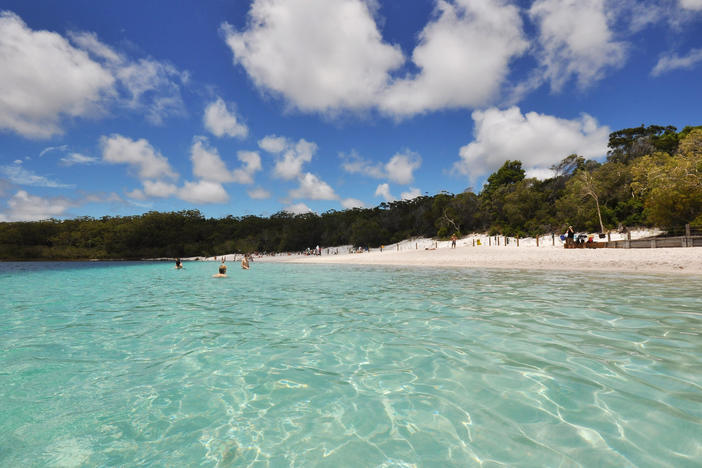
222, 271
245, 263
179, 265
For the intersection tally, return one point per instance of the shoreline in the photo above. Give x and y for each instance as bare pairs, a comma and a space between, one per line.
686, 261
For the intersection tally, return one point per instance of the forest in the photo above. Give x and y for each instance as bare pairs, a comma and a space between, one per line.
652, 176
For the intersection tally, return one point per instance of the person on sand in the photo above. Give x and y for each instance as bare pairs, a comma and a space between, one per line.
245, 263
570, 237
453, 241
222, 272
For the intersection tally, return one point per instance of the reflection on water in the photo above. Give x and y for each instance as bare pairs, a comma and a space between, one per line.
116, 363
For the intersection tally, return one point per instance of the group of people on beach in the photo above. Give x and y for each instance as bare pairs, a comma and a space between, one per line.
222, 270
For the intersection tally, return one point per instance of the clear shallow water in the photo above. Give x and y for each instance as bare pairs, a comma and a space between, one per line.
105, 364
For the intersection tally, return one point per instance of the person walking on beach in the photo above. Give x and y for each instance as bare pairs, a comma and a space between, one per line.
453, 241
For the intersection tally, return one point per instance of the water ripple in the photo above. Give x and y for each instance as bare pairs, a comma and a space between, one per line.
284, 365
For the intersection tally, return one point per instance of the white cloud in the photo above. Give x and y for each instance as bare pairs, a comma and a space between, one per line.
576, 41
77, 158
411, 193
17, 174
89, 42
349, 203
313, 188
152, 86
343, 63
273, 144
340, 62
160, 189
298, 208
117, 149
25, 207
401, 167
463, 57
45, 78
207, 164
259, 193
383, 190
251, 164
203, 191
695, 5
538, 140
290, 157
220, 121
676, 62
53, 148
354, 163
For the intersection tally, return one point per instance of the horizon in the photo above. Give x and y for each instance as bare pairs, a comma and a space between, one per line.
118, 109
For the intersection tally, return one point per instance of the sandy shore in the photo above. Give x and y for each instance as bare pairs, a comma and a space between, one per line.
669, 260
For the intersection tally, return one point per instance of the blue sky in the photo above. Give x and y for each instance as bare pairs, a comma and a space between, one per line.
253, 107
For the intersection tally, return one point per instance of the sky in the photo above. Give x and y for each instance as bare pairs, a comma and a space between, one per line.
117, 108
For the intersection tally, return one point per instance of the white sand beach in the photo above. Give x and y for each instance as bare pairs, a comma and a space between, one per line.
426, 252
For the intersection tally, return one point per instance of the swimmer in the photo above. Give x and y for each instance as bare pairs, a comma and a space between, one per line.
222, 272
245, 263
179, 265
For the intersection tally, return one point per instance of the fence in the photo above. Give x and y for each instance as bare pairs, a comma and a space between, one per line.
687, 238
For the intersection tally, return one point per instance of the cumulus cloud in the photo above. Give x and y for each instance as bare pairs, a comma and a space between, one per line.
411, 193
251, 163
17, 174
159, 189
538, 140
298, 208
259, 193
273, 144
313, 188
25, 207
220, 121
350, 203
290, 157
383, 190
695, 5
203, 191
575, 40
463, 57
353, 163
207, 164
341, 62
139, 154
401, 167
45, 78
676, 62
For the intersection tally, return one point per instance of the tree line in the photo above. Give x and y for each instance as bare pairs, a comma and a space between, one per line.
652, 177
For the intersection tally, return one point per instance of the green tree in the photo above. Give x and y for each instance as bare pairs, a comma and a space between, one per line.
672, 185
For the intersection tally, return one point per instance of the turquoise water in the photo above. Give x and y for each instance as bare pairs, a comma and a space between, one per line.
123, 364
